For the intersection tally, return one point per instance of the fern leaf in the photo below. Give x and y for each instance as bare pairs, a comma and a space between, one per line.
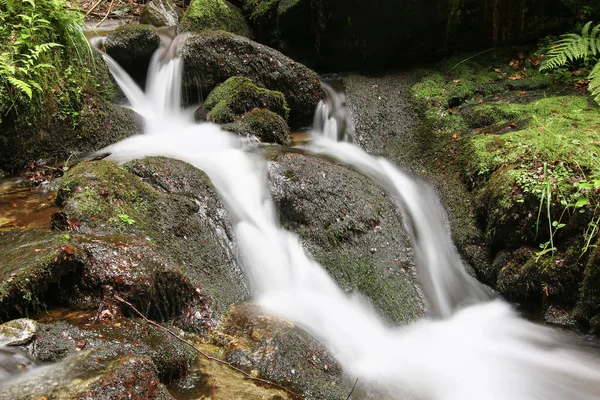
23, 86
594, 85
573, 46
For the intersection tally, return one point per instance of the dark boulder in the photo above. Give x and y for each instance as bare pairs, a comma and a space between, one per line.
352, 228
132, 47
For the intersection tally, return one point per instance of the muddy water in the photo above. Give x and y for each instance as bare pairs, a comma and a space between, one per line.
24, 207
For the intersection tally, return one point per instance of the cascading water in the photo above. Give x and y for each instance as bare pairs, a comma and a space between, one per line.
479, 349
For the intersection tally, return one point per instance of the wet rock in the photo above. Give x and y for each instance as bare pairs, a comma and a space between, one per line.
264, 124
340, 216
38, 269
164, 244
239, 95
132, 46
113, 337
281, 352
160, 13
214, 15
214, 56
89, 375
17, 332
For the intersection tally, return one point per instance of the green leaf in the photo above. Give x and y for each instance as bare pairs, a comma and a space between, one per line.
23, 86
582, 201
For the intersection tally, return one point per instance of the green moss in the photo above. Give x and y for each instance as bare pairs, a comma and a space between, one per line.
214, 15
264, 124
259, 9
238, 95
101, 192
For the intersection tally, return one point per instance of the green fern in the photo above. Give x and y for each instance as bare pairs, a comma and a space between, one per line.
573, 47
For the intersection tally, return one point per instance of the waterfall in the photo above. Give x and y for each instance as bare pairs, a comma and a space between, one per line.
477, 348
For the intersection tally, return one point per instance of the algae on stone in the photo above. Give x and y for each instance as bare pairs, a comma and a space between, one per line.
239, 95
214, 15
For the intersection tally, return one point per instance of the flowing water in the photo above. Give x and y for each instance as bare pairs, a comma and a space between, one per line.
474, 347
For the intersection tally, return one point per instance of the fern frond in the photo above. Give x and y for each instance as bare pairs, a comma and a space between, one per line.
23, 86
594, 85
573, 47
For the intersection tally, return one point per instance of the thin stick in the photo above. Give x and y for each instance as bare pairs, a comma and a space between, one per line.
93, 7
170, 332
108, 12
350, 394
467, 59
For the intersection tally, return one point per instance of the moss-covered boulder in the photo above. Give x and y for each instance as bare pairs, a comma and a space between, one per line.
262, 123
238, 95
528, 277
281, 352
349, 226
204, 15
160, 13
132, 46
152, 231
212, 57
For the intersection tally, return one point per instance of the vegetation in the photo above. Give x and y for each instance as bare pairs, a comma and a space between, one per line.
36, 39
574, 47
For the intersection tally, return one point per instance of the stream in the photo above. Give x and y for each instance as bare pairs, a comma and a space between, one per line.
474, 346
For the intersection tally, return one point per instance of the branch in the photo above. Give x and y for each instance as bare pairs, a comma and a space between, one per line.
211, 358
352, 391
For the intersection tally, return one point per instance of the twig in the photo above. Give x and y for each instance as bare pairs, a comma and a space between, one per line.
467, 59
93, 7
350, 394
107, 13
211, 358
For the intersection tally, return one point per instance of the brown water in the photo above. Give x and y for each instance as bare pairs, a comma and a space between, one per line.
23, 206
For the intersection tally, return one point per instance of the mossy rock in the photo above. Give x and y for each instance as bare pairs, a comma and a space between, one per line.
160, 13
352, 228
154, 230
264, 124
132, 46
527, 277
38, 269
91, 374
214, 15
212, 57
238, 95
281, 352
588, 306
84, 121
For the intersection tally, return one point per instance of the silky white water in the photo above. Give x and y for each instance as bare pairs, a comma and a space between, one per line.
476, 348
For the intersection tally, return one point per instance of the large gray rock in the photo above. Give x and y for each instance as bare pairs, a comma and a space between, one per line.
214, 56
352, 228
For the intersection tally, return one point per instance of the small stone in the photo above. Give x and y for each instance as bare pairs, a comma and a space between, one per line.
17, 332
